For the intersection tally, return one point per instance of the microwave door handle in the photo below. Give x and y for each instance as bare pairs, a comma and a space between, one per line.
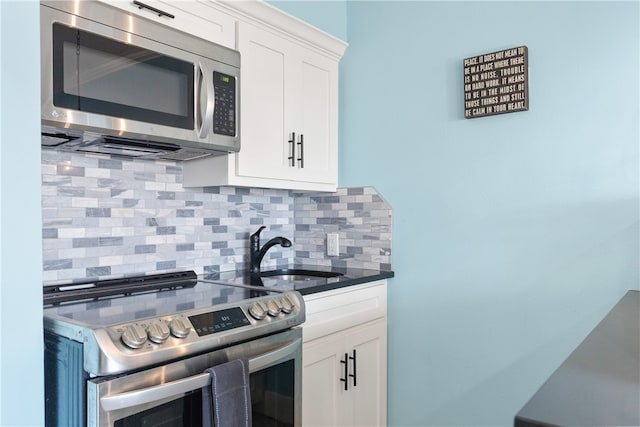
175, 388
206, 117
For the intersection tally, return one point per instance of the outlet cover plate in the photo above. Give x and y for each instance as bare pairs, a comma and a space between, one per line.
333, 244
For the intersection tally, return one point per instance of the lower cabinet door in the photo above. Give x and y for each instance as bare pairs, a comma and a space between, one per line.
321, 392
325, 400
370, 392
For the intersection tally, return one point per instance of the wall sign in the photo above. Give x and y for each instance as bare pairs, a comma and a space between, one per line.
496, 83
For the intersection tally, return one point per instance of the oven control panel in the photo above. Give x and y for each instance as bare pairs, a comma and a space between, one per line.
216, 321
269, 313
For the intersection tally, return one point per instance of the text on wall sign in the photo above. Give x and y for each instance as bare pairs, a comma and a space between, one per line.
496, 83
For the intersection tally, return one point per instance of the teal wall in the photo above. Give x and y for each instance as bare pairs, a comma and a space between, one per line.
21, 348
513, 234
329, 16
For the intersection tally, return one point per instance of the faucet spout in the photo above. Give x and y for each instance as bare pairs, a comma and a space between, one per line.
257, 253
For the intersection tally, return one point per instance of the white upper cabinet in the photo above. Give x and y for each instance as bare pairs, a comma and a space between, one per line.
206, 20
289, 108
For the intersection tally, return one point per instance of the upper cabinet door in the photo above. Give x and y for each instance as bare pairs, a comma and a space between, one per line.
264, 97
289, 109
318, 121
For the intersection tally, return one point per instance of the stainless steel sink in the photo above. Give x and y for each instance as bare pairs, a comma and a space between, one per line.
299, 274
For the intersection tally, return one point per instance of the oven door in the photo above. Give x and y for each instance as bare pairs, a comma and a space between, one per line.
171, 395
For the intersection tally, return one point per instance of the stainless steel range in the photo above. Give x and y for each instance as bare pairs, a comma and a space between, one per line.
133, 352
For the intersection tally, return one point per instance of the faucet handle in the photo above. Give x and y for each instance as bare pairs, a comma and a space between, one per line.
257, 233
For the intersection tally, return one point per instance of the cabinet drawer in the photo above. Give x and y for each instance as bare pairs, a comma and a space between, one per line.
333, 311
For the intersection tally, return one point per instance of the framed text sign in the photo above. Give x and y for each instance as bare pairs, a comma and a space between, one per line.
496, 83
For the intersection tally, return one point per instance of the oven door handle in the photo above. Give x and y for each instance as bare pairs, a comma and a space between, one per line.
178, 387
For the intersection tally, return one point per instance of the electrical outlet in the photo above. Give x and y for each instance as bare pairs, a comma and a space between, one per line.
333, 244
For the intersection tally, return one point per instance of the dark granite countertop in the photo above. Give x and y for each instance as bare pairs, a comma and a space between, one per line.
599, 383
348, 277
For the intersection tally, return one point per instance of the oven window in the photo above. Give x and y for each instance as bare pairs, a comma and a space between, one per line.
272, 403
272, 396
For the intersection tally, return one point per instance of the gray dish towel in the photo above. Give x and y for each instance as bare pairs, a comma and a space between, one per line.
227, 401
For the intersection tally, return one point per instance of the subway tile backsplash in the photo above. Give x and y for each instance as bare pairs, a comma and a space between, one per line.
106, 217
360, 216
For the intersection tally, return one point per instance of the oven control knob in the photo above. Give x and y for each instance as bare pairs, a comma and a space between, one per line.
134, 336
257, 311
179, 327
273, 308
287, 305
158, 331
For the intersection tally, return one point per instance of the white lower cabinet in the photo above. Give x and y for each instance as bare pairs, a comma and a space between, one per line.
344, 375
326, 399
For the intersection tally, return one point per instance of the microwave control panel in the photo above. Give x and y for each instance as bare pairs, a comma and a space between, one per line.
224, 116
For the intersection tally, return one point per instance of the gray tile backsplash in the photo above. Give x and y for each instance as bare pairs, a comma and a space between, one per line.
105, 217
360, 216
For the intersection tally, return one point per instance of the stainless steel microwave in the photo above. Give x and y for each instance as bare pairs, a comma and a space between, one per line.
116, 83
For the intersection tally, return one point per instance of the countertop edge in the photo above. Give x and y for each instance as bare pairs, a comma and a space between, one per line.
348, 277
383, 275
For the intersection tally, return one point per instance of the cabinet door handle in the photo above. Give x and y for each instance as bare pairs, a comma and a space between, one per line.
292, 156
153, 9
354, 367
301, 151
346, 371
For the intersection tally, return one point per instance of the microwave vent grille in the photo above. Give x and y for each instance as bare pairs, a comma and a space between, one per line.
55, 139
187, 154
